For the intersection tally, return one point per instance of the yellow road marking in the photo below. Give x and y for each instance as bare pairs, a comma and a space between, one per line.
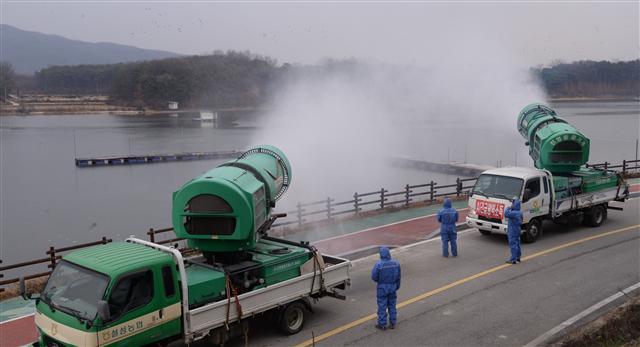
457, 283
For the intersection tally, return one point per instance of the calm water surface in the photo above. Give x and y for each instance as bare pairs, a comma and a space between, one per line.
45, 200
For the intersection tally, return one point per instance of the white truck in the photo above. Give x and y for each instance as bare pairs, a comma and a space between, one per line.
561, 199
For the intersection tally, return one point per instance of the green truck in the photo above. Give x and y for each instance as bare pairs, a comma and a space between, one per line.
137, 292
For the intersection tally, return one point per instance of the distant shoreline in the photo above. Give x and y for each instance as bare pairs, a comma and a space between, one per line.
587, 99
91, 109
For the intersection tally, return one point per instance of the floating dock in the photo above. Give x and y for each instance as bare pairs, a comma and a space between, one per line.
154, 158
456, 168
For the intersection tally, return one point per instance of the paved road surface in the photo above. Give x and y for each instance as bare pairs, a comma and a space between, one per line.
510, 305
474, 299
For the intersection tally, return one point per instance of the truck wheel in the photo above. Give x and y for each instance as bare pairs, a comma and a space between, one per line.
292, 318
597, 215
532, 231
485, 232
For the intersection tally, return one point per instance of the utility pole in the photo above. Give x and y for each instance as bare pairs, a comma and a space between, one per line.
636, 153
465, 153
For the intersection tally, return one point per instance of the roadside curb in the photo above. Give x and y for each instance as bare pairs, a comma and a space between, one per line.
552, 334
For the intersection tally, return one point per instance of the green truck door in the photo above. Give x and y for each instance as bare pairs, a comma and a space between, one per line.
137, 311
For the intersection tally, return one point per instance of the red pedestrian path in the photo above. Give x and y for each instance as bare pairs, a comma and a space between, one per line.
18, 332
397, 234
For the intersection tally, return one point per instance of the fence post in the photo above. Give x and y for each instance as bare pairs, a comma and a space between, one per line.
356, 202
406, 195
381, 198
431, 192
328, 208
152, 235
458, 186
624, 166
299, 214
52, 250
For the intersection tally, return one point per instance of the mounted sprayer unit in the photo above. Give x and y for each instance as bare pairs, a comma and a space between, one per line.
554, 144
223, 209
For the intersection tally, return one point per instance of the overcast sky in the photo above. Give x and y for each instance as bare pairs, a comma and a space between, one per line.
304, 32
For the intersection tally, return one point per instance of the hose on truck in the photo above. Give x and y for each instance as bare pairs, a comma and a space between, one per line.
231, 288
316, 266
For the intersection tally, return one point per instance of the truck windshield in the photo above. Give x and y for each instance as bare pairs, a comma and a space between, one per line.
498, 186
75, 290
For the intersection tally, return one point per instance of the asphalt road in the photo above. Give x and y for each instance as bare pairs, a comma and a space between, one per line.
476, 299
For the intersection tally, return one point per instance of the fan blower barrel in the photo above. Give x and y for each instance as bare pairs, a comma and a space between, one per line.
223, 209
554, 144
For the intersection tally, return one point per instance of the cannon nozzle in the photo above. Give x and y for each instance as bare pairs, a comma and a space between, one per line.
553, 143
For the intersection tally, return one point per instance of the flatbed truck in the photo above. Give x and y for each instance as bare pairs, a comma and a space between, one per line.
559, 188
137, 292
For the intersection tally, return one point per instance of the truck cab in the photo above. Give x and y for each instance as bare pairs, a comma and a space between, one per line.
495, 190
106, 294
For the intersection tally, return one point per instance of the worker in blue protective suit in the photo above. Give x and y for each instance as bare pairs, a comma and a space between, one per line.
386, 273
448, 217
514, 215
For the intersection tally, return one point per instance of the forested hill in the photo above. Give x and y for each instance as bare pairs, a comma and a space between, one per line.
29, 51
240, 79
591, 79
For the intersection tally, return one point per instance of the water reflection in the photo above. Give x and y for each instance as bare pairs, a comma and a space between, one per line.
46, 200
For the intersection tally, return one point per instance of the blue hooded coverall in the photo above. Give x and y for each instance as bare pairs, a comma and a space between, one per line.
513, 231
448, 216
386, 272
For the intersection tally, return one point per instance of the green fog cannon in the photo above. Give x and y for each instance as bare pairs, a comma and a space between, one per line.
223, 210
554, 144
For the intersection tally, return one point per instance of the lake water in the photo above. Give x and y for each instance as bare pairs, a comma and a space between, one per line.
45, 200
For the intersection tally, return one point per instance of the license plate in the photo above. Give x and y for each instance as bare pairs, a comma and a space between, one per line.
489, 209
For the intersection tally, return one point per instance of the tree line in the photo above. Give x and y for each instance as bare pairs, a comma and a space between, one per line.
242, 79
7, 80
591, 79
232, 79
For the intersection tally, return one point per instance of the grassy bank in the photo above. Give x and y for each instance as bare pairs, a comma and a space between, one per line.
619, 327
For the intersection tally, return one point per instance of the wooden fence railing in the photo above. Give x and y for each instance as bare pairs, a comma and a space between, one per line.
627, 166
53, 255
375, 200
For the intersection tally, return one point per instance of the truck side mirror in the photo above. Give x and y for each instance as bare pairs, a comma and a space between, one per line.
103, 311
527, 195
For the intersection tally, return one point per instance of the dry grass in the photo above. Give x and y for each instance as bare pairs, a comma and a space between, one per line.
620, 328
35, 285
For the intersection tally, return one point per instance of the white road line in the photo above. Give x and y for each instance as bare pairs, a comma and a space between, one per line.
376, 255
542, 338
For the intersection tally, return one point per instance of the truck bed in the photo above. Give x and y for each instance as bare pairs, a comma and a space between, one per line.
588, 199
202, 319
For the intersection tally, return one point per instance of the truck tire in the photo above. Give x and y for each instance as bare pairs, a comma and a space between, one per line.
292, 318
532, 231
596, 216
